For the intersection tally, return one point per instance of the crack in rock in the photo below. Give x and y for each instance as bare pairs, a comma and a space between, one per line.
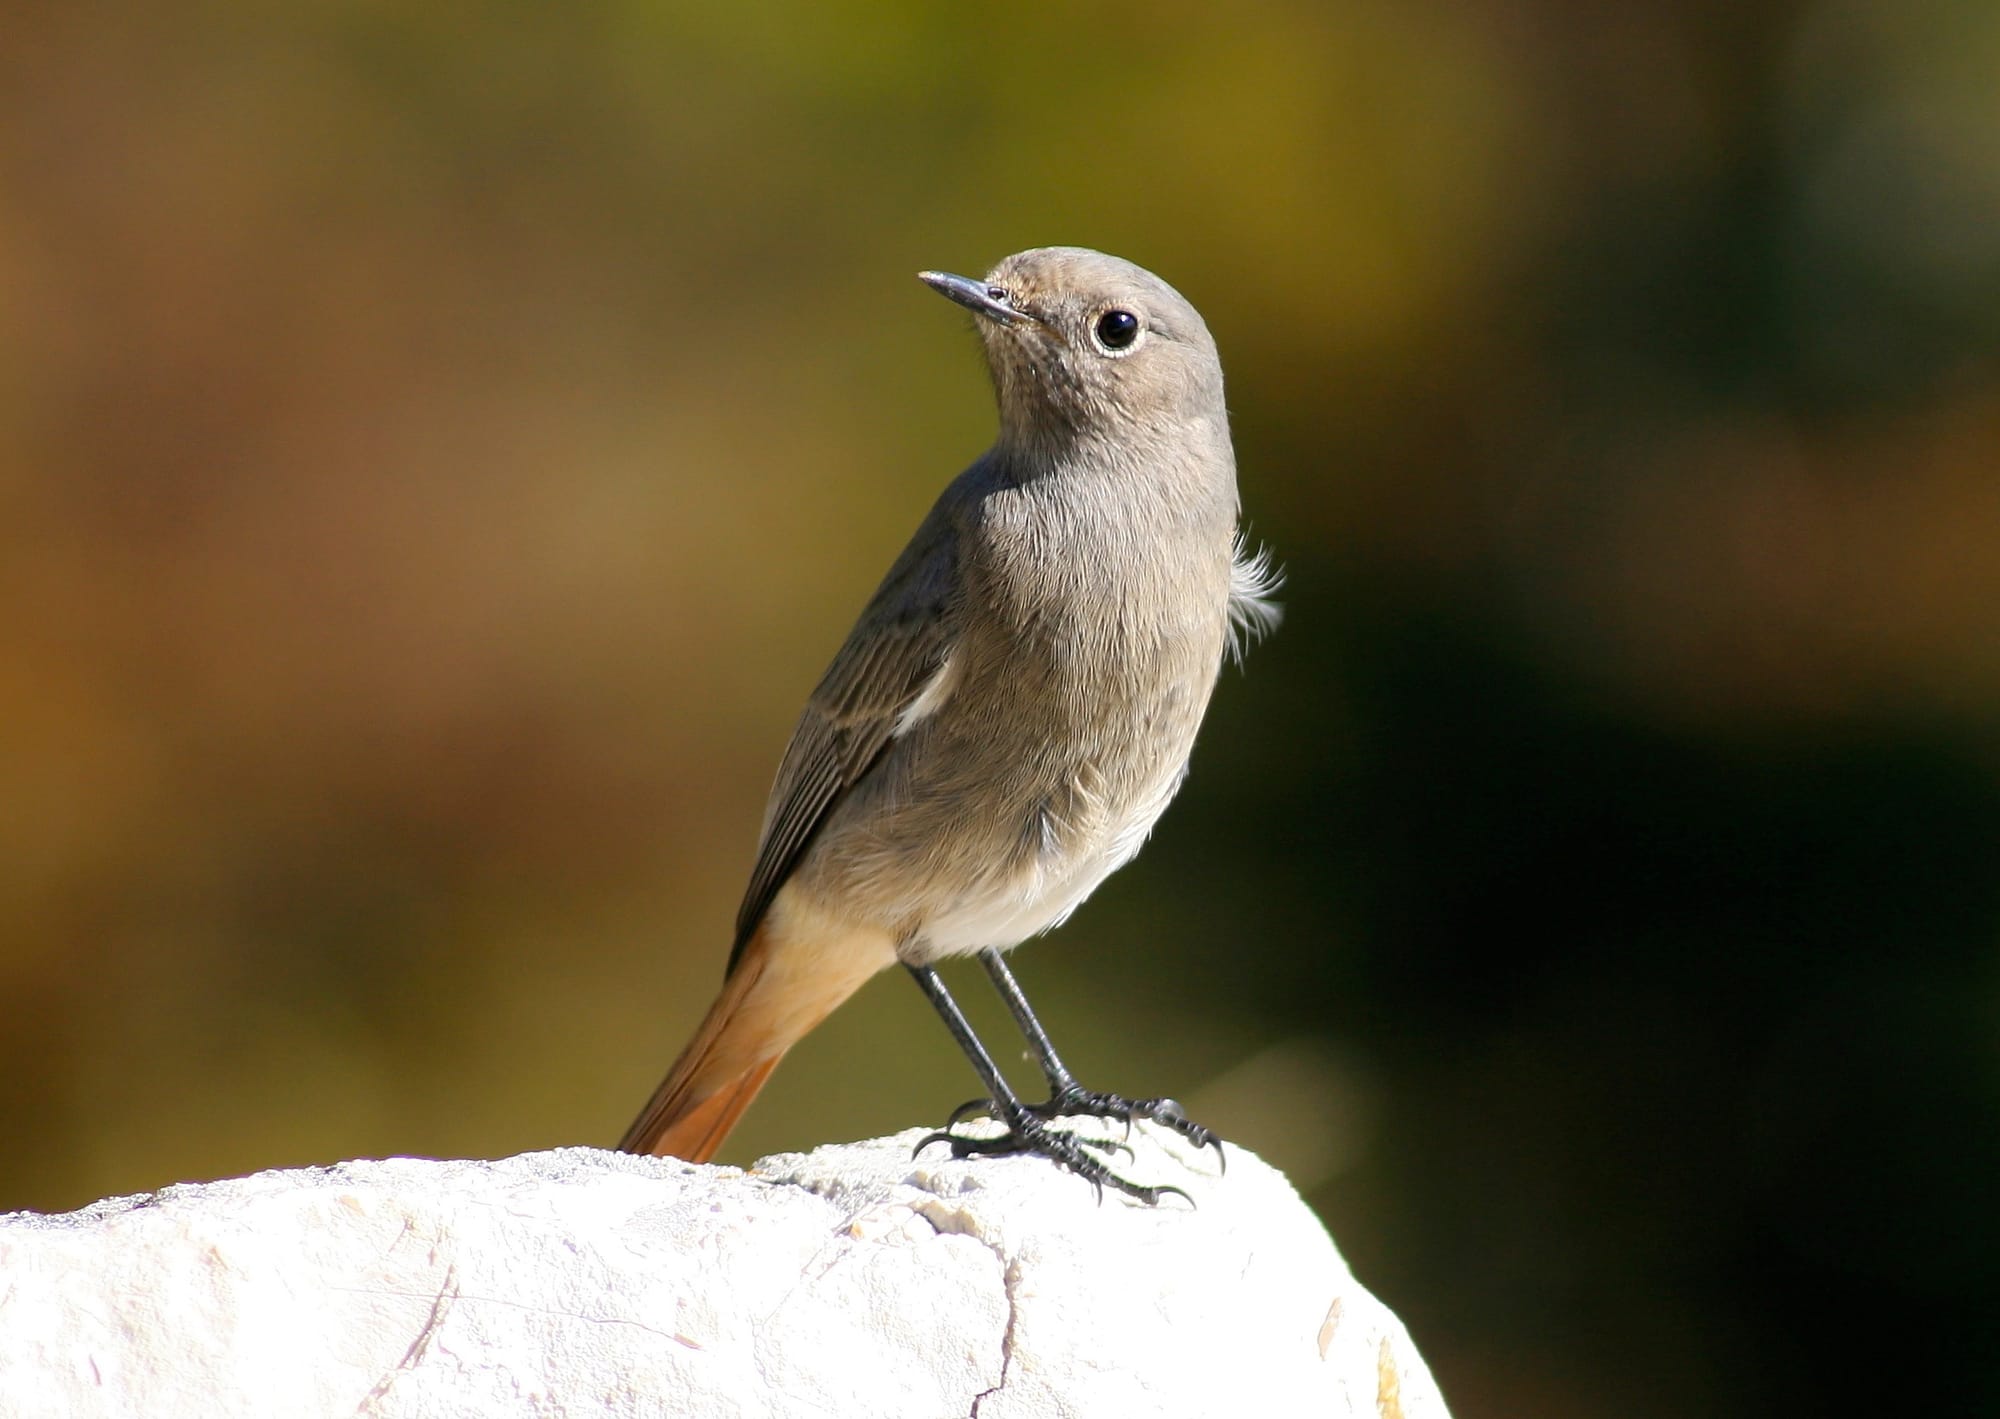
1010, 1277
433, 1323
954, 1222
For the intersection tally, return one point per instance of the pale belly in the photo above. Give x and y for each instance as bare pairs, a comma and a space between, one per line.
1044, 886
1039, 771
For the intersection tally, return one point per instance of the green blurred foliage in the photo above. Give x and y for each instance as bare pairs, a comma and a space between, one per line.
440, 446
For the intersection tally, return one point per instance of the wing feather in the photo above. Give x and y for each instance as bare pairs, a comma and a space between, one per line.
896, 652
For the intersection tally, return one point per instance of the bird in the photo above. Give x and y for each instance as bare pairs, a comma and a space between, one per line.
1011, 713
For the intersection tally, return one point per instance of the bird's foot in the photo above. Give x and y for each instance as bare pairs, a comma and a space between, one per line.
1077, 1102
1028, 1132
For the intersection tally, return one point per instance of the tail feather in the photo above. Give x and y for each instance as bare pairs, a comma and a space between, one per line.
702, 1096
785, 981
697, 1133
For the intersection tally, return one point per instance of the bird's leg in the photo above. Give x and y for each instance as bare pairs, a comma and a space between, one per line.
1026, 1130
1066, 1096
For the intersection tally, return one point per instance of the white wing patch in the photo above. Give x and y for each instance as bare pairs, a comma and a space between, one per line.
930, 699
1253, 579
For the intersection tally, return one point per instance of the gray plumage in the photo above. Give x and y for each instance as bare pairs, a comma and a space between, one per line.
1013, 710
1015, 707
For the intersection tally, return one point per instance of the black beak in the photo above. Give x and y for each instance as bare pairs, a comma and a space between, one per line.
975, 296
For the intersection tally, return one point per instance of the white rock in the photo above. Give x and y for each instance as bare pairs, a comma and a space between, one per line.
847, 1281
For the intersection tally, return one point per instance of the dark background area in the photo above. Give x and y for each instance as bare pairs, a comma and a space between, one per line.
441, 446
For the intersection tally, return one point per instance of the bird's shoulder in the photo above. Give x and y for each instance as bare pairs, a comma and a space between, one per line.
907, 629
893, 670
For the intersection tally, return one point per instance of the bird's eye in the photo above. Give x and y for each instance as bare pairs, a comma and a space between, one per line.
997, 294
1116, 330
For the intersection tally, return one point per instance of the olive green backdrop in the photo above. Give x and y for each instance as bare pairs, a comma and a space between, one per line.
440, 446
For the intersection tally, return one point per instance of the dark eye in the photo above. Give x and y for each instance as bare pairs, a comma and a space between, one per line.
1117, 329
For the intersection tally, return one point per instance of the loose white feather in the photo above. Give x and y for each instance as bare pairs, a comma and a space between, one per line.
1253, 579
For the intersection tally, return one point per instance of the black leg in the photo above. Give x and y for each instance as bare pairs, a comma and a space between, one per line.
1059, 1078
1003, 1096
1026, 1130
1066, 1096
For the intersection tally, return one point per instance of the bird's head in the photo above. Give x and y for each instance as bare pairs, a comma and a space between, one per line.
1088, 346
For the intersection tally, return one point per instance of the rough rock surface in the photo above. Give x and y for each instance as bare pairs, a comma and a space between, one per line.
847, 1281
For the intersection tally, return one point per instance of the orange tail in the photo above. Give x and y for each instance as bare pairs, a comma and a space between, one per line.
781, 987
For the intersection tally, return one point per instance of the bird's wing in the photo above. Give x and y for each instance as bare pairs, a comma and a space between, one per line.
893, 671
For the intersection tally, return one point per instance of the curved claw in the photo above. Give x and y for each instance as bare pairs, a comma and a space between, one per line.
1026, 1132
1076, 1101
968, 1108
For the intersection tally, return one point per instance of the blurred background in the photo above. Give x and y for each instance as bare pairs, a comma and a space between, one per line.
440, 447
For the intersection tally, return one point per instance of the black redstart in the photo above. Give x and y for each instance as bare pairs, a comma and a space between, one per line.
1013, 710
